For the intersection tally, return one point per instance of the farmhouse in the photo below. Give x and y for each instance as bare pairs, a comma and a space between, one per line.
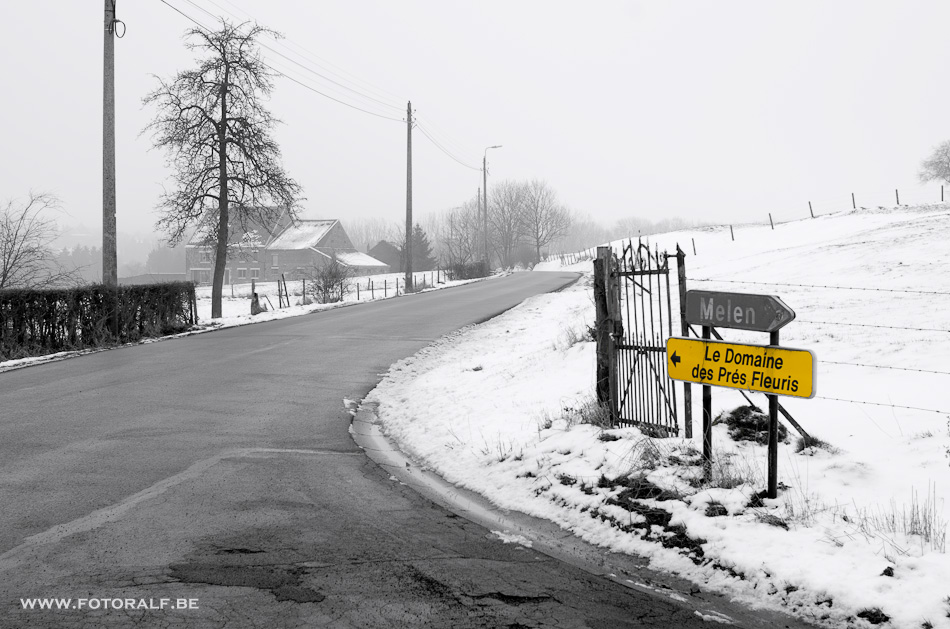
264, 253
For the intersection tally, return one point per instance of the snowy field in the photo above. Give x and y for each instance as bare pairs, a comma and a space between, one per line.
236, 306
857, 536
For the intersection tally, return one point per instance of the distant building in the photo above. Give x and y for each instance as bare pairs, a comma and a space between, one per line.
294, 249
387, 252
152, 278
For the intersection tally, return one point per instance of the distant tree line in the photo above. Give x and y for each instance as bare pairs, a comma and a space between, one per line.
526, 222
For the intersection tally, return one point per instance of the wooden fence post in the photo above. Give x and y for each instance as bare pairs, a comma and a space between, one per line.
770, 221
732, 233
602, 329
811, 211
854, 205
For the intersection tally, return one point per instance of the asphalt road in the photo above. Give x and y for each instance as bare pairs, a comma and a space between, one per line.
219, 469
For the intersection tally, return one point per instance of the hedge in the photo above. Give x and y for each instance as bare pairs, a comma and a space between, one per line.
467, 270
34, 322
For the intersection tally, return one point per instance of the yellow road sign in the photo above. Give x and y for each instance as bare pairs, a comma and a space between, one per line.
775, 370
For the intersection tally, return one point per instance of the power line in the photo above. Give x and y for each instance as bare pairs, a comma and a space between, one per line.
320, 63
444, 137
442, 148
284, 74
297, 63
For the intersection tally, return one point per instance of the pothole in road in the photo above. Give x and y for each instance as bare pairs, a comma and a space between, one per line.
282, 581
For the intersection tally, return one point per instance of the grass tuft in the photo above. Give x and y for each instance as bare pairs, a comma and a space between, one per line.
749, 423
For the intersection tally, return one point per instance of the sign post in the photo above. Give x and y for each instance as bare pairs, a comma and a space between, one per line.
770, 369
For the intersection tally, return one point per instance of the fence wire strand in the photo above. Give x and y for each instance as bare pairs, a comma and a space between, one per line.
865, 288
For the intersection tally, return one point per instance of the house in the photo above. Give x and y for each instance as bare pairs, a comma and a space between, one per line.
292, 249
387, 252
151, 278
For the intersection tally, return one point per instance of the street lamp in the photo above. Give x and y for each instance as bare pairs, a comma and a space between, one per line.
485, 199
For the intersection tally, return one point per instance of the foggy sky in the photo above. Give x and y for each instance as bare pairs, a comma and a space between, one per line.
705, 111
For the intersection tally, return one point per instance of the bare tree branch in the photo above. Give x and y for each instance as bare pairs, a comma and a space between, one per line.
27, 259
217, 137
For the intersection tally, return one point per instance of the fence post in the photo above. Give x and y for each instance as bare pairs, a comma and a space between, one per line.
770, 221
854, 205
386, 287
610, 328
684, 327
707, 419
732, 233
811, 211
694, 245
773, 432
897, 196
602, 328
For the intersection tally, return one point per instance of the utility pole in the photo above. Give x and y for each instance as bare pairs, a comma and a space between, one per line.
109, 259
485, 200
407, 250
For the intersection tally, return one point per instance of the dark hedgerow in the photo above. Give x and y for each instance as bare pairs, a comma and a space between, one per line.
34, 322
467, 270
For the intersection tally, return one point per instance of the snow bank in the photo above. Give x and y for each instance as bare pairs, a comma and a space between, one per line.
497, 409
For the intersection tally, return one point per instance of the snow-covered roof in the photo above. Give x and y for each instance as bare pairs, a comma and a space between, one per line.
358, 258
306, 234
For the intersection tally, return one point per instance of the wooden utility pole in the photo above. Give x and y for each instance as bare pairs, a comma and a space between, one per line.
407, 250
485, 199
485, 205
109, 260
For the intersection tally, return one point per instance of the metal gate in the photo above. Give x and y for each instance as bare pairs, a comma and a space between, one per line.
645, 395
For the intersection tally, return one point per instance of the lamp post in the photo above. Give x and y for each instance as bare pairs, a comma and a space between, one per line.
485, 199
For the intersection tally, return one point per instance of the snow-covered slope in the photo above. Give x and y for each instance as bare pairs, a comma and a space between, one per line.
858, 534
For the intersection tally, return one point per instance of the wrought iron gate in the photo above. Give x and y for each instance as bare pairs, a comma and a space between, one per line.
645, 395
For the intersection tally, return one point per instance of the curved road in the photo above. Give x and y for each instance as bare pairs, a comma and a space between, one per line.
218, 469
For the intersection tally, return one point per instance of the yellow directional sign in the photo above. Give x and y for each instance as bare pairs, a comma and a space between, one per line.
775, 370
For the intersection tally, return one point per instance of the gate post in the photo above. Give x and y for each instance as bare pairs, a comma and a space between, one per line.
607, 328
602, 329
687, 387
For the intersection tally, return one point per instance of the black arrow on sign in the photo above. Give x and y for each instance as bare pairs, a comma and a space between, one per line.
675, 359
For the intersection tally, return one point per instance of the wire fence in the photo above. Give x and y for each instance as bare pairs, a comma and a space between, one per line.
869, 326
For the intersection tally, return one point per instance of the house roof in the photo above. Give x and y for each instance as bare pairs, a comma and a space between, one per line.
358, 258
306, 234
254, 236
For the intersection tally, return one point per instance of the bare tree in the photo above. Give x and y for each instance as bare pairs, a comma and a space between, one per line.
27, 259
329, 282
217, 134
459, 235
505, 219
937, 166
366, 233
543, 219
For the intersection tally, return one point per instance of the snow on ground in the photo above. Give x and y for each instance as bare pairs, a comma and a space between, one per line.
236, 306
858, 533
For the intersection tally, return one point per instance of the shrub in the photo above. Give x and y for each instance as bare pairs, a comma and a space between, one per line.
467, 270
34, 322
330, 282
